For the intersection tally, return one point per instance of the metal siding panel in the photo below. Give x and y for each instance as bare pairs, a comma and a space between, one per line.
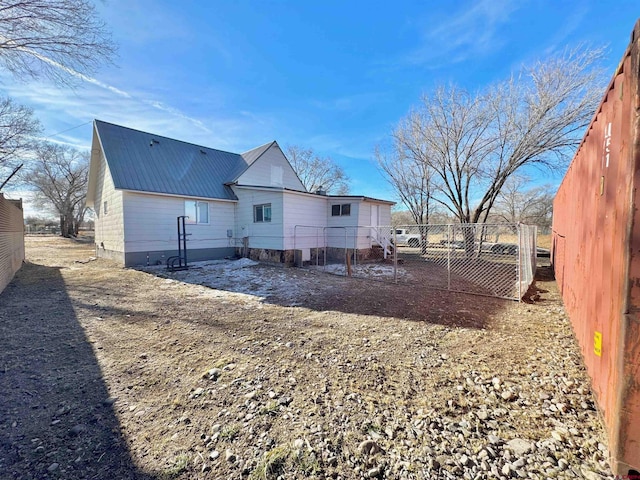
596, 256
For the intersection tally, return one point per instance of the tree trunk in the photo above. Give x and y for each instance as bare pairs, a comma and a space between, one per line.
66, 226
469, 239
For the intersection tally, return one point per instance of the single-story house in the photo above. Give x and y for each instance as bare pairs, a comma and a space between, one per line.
251, 203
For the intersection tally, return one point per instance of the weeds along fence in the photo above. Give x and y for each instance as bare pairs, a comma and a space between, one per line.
11, 240
491, 260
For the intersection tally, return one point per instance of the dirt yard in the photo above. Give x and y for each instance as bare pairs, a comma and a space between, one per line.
234, 370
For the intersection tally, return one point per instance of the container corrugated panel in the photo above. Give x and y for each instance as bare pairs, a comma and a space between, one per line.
596, 256
11, 240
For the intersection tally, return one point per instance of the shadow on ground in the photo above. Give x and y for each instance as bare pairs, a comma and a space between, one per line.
56, 417
315, 290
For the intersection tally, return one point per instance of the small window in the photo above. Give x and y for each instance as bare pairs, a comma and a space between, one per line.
198, 212
341, 210
104, 208
262, 213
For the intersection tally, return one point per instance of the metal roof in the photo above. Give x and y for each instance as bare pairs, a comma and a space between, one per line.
252, 155
360, 197
152, 163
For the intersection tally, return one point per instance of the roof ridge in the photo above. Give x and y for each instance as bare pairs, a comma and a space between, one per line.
260, 146
167, 138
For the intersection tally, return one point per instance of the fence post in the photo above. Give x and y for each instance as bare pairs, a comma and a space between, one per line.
355, 246
395, 256
449, 257
326, 247
519, 263
347, 265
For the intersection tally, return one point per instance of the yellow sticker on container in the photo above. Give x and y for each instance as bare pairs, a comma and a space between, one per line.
597, 343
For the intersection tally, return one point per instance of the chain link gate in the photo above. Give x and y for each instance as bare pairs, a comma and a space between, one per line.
493, 260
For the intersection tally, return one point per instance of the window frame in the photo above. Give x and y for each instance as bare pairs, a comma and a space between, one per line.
197, 204
262, 206
341, 210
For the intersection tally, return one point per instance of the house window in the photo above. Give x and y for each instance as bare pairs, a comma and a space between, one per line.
104, 208
262, 213
198, 212
341, 210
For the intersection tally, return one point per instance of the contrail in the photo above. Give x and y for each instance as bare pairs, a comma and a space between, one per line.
154, 104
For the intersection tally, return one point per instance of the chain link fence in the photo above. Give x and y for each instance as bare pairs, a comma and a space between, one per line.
492, 260
355, 251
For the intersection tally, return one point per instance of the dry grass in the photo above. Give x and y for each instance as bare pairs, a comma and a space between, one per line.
349, 356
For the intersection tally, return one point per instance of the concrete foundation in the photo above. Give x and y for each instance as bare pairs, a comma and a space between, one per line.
291, 258
159, 257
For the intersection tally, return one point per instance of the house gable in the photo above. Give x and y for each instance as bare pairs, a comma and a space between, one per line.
269, 168
146, 162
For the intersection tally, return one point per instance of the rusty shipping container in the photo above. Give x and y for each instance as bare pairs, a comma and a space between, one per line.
596, 256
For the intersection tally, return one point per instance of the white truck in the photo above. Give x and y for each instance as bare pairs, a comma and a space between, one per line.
404, 236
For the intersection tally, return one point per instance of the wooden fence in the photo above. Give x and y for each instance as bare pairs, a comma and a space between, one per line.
11, 239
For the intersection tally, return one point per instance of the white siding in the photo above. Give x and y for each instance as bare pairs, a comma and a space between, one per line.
109, 227
307, 210
271, 170
151, 223
364, 214
364, 222
365, 234
350, 220
261, 234
343, 237
385, 214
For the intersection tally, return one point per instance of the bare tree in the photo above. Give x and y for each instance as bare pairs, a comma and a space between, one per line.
518, 204
17, 129
59, 176
402, 217
62, 40
413, 181
317, 173
472, 144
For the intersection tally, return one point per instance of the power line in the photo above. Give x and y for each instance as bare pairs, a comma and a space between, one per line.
69, 129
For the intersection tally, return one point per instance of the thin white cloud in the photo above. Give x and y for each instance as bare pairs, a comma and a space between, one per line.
61, 109
570, 25
94, 81
467, 32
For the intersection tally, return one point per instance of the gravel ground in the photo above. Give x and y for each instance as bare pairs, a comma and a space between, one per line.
242, 370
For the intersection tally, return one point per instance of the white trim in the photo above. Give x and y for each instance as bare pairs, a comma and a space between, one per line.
278, 189
208, 199
351, 198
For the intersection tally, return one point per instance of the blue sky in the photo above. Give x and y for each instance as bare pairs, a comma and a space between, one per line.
334, 76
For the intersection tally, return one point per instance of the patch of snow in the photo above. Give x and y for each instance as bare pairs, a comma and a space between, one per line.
229, 279
365, 270
242, 263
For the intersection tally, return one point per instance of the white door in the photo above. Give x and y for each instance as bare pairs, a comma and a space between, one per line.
374, 215
374, 223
